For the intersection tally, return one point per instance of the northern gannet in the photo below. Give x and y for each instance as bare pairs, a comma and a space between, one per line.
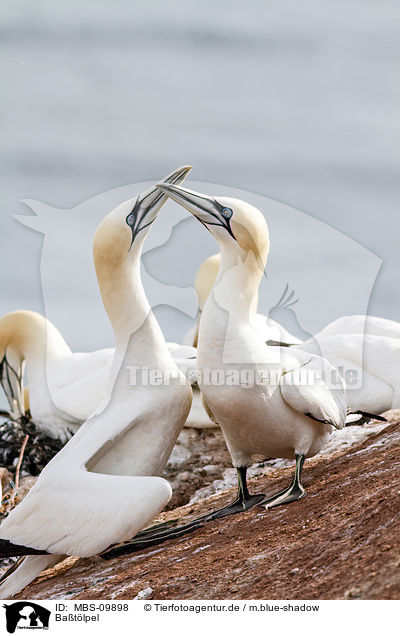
63, 386
271, 330
102, 487
280, 416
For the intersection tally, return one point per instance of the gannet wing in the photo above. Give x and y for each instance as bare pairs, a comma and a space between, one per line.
379, 355
79, 365
316, 389
78, 385
73, 511
80, 398
371, 325
93, 513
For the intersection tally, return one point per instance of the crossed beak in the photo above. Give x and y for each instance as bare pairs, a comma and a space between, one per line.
200, 205
206, 209
148, 204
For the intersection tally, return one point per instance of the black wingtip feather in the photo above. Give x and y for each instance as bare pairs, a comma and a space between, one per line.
8, 549
371, 416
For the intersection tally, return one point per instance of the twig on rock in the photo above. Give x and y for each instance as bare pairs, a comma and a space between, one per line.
10, 501
20, 458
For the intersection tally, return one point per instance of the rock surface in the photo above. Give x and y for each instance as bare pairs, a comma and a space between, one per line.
339, 542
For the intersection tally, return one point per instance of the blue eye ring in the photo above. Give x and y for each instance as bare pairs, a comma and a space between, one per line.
226, 213
130, 219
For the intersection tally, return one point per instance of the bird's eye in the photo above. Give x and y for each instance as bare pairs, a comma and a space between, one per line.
226, 213
130, 219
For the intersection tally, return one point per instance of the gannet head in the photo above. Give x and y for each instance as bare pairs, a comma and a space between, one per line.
21, 332
123, 230
237, 225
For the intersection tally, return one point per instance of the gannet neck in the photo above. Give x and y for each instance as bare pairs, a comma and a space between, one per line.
229, 312
205, 278
138, 338
121, 291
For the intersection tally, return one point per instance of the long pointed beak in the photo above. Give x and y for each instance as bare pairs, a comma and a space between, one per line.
200, 205
151, 197
11, 382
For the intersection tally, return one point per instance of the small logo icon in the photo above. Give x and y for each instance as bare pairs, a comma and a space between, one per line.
26, 615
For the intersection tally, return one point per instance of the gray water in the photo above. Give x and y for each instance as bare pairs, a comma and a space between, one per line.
296, 101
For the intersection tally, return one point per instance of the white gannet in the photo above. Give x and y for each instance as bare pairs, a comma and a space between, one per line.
63, 386
102, 487
279, 417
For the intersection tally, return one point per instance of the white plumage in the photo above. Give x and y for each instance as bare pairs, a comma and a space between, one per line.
281, 416
102, 487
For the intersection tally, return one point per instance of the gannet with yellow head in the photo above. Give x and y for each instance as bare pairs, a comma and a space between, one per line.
24, 337
103, 486
281, 418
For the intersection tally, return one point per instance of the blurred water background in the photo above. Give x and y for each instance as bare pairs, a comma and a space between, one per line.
296, 100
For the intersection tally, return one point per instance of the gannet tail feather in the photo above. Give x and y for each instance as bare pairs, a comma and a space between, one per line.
25, 571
